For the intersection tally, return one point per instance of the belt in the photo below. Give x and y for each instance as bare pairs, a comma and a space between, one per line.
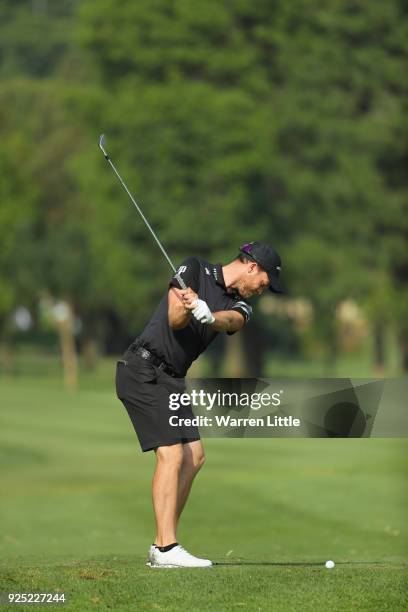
154, 359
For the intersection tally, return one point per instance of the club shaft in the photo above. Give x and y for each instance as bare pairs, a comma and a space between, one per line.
180, 280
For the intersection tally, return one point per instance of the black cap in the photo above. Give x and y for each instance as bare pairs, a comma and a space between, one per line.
266, 257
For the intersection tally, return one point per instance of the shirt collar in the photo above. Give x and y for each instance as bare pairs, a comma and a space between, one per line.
216, 270
219, 278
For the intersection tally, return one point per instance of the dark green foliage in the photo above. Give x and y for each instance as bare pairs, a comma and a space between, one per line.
230, 121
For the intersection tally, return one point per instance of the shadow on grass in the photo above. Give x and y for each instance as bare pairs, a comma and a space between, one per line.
298, 564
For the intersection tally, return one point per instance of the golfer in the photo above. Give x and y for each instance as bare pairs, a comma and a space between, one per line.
185, 323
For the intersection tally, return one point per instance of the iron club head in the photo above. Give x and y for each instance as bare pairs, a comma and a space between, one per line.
102, 145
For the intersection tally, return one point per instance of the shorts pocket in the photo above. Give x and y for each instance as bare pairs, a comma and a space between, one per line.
121, 379
141, 370
172, 384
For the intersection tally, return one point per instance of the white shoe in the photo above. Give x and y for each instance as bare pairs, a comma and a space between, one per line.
177, 557
150, 555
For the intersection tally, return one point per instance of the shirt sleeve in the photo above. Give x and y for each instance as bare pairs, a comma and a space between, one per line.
245, 309
189, 271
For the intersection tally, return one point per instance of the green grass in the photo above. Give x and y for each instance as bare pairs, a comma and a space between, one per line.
76, 513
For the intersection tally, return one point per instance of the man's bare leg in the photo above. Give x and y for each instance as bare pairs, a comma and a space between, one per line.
175, 470
193, 460
165, 492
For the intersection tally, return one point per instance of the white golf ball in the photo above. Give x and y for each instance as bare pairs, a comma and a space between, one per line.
329, 564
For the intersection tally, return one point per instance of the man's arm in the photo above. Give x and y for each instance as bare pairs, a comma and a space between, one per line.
227, 321
189, 271
179, 315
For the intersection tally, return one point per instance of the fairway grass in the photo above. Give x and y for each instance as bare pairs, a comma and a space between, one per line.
76, 514
125, 584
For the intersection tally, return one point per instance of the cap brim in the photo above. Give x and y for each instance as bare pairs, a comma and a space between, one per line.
274, 284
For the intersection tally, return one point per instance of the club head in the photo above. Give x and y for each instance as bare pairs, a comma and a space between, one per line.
102, 144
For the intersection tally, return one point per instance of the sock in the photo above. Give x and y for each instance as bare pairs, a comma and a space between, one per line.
166, 548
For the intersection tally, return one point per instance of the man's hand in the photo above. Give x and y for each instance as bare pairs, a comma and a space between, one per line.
180, 306
202, 313
193, 305
189, 298
198, 308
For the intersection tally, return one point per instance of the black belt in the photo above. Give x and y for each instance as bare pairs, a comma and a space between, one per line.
154, 359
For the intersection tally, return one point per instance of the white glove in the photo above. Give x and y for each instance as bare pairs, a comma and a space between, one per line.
202, 313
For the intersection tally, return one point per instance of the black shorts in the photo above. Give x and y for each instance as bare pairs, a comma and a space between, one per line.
144, 390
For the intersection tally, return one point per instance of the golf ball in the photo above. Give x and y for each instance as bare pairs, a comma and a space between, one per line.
329, 564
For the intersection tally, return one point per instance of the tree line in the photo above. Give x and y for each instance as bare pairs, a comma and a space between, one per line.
231, 121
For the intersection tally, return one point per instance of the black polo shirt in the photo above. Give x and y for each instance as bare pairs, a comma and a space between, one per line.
180, 348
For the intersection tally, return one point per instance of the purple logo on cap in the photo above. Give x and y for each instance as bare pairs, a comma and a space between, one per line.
247, 247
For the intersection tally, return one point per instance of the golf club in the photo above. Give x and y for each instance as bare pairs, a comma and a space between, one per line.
102, 147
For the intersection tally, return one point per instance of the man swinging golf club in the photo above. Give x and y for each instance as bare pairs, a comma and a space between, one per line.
186, 321
202, 300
